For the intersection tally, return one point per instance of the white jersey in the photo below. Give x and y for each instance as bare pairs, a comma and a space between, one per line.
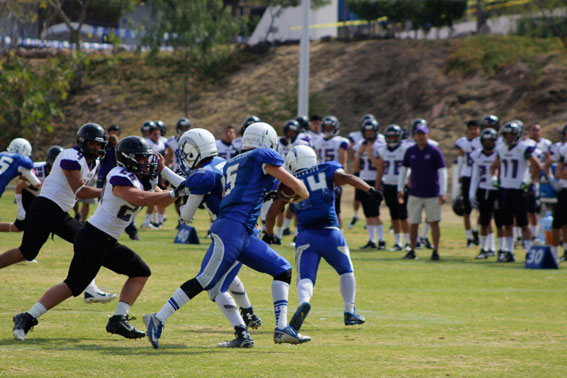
554, 151
481, 169
56, 187
465, 144
158, 146
306, 138
542, 147
314, 136
226, 151
237, 143
173, 144
284, 146
113, 214
367, 170
328, 149
40, 171
514, 164
392, 162
355, 137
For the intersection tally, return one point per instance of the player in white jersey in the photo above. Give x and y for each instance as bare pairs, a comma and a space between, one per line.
488, 122
303, 130
237, 142
72, 168
390, 158
513, 159
158, 144
333, 147
483, 195
464, 170
225, 147
314, 130
128, 187
365, 163
560, 211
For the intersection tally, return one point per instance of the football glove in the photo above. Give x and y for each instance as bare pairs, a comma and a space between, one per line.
270, 195
495, 182
376, 195
181, 190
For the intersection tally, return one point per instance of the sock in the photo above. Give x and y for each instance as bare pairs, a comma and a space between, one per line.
533, 229
469, 234
37, 310
370, 229
528, 244
279, 232
304, 290
554, 250
425, 230
501, 244
380, 229
398, 239
228, 307
148, 218
160, 218
237, 289
517, 232
177, 300
295, 231
483, 242
510, 244
491, 241
356, 213
286, 223
348, 291
280, 291
92, 288
407, 238
122, 308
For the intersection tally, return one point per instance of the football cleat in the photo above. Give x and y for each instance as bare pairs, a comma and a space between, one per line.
23, 322
134, 237
508, 257
470, 242
242, 340
501, 254
482, 255
396, 248
352, 223
476, 239
381, 245
250, 318
286, 232
564, 257
148, 225
369, 245
425, 242
418, 244
300, 315
490, 253
410, 255
407, 247
98, 296
119, 325
435, 256
289, 335
352, 318
154, 327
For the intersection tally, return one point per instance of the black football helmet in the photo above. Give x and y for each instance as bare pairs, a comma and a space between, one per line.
459, 206
490, 122
52, 155
291, 125
415, 123
366, 117
247, 122
393, 135
303, 123
369, 125
91, 132
161, 126
514, 129
330, 121
146, 126
182, 125
486, 137
127, 152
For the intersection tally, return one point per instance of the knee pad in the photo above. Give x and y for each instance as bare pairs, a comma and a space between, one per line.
192, 288
285, 277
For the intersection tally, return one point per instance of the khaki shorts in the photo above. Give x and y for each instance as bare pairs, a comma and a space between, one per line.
416, 206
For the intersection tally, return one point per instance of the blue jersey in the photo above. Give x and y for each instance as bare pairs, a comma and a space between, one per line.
245, 185
207, 180
318, 211
10, 164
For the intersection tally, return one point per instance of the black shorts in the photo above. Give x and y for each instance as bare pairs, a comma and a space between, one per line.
560, 210
397, 210
465, 186
534, 205
27, 200
46, 217
513, 204
370, 207
93, 249
338, 195
488, 207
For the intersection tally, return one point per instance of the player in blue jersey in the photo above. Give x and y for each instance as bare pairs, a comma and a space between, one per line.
15, 161
319, 233
204, 184
247, 178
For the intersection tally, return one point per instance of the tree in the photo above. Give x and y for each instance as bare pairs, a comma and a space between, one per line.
554, 14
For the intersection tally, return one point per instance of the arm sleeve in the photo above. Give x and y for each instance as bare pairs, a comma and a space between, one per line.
460, 161
442, 172
402, 178
30, 176
188, 211
474, 181
173, 178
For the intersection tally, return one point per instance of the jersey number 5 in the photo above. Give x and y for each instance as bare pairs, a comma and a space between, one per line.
5, 163
231, 173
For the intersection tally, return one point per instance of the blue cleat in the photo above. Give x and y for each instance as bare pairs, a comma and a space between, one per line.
289, 335
300, 315
352, 318
154, 328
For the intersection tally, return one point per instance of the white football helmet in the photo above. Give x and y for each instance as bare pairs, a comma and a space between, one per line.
20, 146
196, 145
300, 157
259, 135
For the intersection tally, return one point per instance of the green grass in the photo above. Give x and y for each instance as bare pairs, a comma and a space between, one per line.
459, 317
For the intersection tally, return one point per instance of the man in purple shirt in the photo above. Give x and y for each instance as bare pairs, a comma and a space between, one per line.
428, 185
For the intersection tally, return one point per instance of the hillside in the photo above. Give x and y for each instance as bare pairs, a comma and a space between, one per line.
446, 82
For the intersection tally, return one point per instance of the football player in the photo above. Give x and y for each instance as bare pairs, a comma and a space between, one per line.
65, 183
365, 163
237, 142
204, 182
465, 148
333, 147
509, 172
314, 130
560, 212
319, 234
158, 143
225, 147
127, 189
390, 158
15, 161
247, 177
483, 195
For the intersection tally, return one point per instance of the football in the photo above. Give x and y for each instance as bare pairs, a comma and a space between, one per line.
285, 192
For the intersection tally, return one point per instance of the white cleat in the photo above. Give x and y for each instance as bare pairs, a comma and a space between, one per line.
98, 296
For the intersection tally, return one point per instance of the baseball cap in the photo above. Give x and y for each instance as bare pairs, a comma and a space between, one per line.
422, 128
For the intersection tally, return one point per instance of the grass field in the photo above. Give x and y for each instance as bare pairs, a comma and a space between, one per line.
458, 317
